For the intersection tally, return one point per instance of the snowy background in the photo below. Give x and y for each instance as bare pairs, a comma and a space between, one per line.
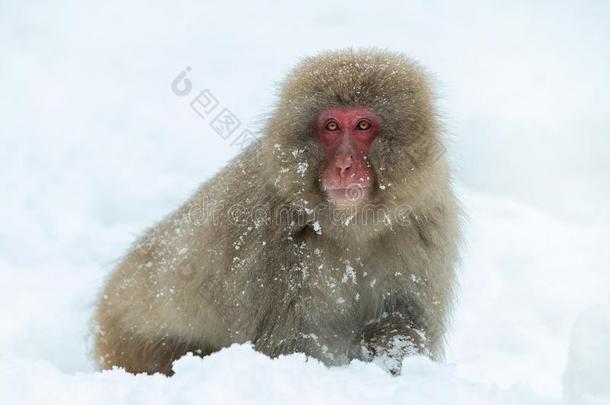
95, 147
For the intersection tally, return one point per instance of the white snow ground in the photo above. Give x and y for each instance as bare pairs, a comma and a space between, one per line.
95, 148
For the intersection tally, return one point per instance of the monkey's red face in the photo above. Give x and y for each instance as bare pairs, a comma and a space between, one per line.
345, 137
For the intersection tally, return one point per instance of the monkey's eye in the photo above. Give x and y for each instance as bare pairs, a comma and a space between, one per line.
331, 126
363, 125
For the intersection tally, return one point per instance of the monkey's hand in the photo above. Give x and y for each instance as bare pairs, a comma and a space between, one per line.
388, 341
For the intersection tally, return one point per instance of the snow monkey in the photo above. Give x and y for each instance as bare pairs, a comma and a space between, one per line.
335, 234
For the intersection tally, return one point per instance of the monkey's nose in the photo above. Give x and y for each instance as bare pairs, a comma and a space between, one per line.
344, 165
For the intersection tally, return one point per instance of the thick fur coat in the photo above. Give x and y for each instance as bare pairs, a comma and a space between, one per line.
258, 254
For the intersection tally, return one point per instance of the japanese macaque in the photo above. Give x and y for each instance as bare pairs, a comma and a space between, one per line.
335, 234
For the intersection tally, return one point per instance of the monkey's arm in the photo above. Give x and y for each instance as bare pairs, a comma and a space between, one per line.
395, 335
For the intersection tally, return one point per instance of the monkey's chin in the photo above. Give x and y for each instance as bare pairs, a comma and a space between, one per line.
348, 196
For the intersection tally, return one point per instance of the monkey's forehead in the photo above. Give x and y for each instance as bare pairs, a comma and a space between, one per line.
363, 77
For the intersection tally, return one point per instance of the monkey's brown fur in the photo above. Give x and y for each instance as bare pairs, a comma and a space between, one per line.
257, 255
